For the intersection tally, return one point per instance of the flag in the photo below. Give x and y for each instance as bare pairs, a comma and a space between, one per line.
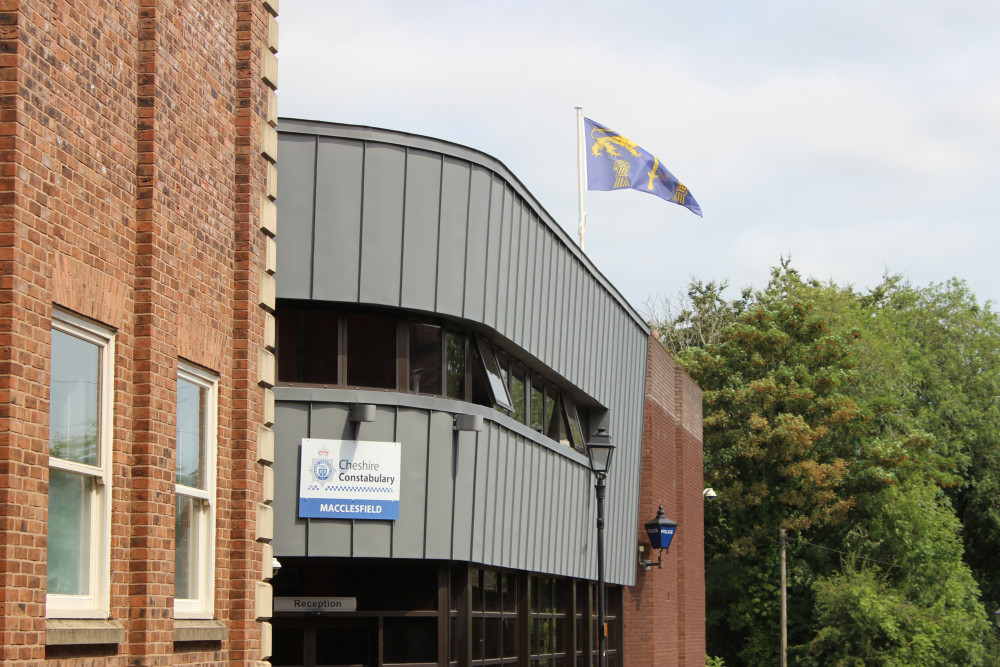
616, 163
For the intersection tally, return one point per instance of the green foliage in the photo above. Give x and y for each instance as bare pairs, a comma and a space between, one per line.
714, 662
867, 425
917, 608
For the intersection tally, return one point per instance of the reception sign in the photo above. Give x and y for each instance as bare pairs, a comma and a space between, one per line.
349, 479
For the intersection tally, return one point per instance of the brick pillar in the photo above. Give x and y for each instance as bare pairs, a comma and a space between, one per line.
24, 369
664, 610
256, 187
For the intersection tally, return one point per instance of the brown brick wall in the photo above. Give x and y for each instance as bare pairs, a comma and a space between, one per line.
665, 610
130, 183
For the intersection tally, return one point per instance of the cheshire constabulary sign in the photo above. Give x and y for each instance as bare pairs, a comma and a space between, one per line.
349, 479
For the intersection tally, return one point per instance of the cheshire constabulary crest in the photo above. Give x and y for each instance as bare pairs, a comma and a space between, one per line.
322, 468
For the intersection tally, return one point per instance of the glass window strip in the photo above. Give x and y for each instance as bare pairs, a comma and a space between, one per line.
511, 386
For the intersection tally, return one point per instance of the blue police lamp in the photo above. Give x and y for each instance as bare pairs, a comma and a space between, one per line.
660, 531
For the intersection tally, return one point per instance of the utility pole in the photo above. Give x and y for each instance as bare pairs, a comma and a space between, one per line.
784, 603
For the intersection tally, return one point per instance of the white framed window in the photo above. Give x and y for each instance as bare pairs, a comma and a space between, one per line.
194, 527
80, 433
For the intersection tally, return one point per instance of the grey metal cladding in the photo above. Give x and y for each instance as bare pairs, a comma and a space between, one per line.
477, 230
455, 186
387, 218
420, 230
382, 224
296, 187
493, 246
290, 532
337, 222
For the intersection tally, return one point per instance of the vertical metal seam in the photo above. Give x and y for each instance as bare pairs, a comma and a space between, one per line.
486, 244
427, 475
361, 218
402, 228
475, 476
312, 241
468, 225
437, 249
308, 434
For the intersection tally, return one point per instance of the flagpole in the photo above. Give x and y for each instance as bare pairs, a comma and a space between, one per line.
580, 167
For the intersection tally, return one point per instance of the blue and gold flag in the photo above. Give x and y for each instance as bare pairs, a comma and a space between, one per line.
616, 163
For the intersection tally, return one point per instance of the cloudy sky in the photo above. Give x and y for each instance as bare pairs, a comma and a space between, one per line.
858, 137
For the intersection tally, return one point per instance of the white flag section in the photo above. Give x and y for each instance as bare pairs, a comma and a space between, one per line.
349, 479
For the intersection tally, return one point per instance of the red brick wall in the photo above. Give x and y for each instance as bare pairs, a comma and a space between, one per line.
665, 610
131, 177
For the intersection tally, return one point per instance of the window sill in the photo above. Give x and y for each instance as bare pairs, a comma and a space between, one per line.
197, 630
66, 631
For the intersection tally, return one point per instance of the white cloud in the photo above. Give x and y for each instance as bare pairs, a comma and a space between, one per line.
854, 135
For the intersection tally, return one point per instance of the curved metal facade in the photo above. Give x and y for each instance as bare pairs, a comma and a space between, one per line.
375, 217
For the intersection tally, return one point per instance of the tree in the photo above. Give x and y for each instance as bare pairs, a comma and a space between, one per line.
772, 383
840, 416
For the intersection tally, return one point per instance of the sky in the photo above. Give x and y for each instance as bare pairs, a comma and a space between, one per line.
859, 138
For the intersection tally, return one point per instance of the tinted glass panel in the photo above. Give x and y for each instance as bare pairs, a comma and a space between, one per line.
494, 627
287, 645
537, 405
510, 593
456, 365
75, 390
496, 382
425, 358
557, 428
509, 637
371, 351
348, 643
409, 640
491, 588
517, 394
575, 428
307, 344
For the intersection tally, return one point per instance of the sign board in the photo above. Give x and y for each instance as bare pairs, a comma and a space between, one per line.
349, 479
315, 604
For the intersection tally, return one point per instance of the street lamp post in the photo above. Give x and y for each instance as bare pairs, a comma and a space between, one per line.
599, 449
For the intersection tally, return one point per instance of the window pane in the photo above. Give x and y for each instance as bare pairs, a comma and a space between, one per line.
186, 552
69, 533
491, 586
74, 416
287, 646
550, 399
557, 428
456, 365
493, 645
510, 593
477, 638
371, 351
351, 642
425, 358
510, 637
575, 428
476, 585
307, 344
191, 404
409, 640
517, 394
498, 388
536, 405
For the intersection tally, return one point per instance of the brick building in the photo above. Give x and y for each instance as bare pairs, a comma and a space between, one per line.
136, 150
152, 444
431, 313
